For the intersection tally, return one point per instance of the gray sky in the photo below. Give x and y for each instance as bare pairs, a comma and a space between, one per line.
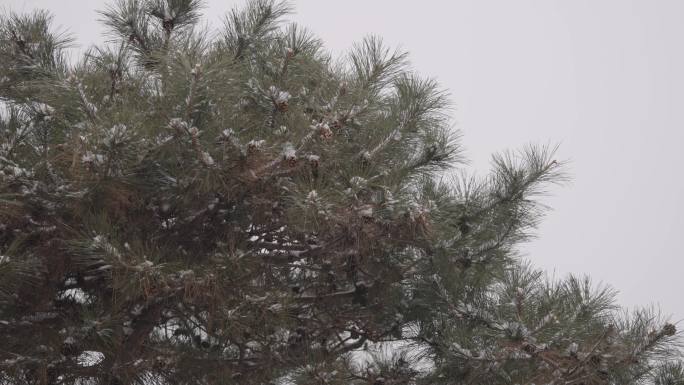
605, 78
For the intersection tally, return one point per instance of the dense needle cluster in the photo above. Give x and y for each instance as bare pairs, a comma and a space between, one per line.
182, 207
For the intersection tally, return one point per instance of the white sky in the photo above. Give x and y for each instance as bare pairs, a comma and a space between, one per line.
605, 78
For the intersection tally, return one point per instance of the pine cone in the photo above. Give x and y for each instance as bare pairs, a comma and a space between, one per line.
314, 161
168, 25
343, 88
669, 329
325, 132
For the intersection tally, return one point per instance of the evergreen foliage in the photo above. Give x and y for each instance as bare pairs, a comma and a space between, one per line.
185, 208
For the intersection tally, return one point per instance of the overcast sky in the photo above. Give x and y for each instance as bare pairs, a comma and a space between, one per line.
604, 78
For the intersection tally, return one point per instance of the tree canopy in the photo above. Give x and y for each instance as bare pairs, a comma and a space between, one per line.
181, 206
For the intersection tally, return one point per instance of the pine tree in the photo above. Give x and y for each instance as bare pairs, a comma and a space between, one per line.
178, 207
